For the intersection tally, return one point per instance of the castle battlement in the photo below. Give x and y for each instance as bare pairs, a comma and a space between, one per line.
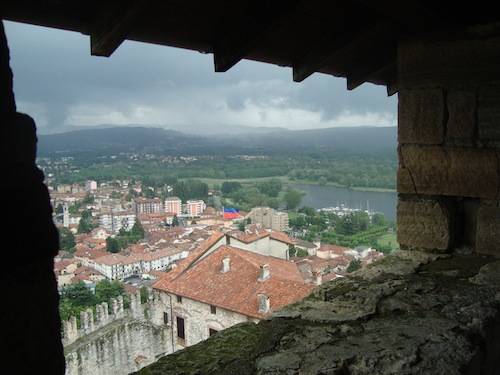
100, 316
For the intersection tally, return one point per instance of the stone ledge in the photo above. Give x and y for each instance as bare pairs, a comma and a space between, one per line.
410, 313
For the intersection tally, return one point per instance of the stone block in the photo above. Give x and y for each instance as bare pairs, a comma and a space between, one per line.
424, 224
461, 113
489, 114
404, 181
421, 116
488, 230
458, 171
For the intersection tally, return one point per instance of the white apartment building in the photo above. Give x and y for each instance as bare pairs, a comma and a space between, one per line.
114, 221
194, 208
147, 206
90, 185
173, 205
118, 267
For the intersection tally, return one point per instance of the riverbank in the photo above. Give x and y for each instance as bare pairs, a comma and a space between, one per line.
211, 182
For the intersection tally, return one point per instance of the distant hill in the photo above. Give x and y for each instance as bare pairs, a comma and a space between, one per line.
118, 139
156, 140
362, 139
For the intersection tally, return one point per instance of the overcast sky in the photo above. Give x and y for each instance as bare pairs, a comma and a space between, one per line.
58, 83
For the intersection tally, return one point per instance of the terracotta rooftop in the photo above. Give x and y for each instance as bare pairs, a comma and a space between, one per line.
282, 237
237, 289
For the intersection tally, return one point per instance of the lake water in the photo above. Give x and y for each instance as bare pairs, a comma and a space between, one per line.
317, 196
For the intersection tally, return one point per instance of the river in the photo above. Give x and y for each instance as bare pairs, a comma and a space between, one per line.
318, 196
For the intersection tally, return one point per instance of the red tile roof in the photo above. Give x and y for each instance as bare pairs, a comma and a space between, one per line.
282, 237
237, 289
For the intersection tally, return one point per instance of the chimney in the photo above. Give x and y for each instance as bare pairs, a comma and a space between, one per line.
265, 272
264, 303
318, 277
226, 264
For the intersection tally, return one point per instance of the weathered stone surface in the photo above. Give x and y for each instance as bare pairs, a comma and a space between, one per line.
421, 116
405, 181
489, 113
488, 230
465, 172
429, 318
424, 224
461, 113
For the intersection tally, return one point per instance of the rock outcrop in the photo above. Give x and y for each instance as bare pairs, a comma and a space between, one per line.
409, 313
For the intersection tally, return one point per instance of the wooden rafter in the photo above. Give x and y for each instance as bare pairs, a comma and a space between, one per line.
383, 68
238, 42
113, 27
337, 49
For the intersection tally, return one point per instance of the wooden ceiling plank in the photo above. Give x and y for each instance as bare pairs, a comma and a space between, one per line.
333, 49
356, 79
112, 30
237, 44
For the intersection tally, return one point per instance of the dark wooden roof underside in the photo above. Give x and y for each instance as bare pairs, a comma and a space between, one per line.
356, 39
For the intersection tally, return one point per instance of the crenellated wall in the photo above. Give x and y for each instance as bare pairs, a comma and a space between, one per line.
119, 341
449, 143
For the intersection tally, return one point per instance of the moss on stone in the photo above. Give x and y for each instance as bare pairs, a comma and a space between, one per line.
411, 313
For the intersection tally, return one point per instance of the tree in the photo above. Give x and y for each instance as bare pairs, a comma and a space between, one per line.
379, 219
86, 224
270, 187
66, 240
112, 245
137, 230
88, 199
293, 198
230, 186
144, 294
105, 290
78, 294
241, 226
175, 221
353, 266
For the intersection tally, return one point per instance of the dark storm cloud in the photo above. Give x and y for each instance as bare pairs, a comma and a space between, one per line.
60, 84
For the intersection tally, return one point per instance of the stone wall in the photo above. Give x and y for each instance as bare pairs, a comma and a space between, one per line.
449, 143
116, 340
198, 319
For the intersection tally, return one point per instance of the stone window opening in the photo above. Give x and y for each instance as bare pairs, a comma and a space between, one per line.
179, 299
165, 318
213, 309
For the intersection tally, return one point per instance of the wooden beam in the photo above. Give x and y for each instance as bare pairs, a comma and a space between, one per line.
112, 29
264, 19
392, 88
384, 67
333, 48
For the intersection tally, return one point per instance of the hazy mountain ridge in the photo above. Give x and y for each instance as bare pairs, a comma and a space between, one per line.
159, 140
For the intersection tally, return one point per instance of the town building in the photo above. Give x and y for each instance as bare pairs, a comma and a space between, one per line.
147, 206
114, 221
90, 185
119, 267
194, 208
217, 288
269, 218
261, 241
173, 205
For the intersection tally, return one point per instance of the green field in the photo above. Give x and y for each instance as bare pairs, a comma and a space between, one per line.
389, 239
